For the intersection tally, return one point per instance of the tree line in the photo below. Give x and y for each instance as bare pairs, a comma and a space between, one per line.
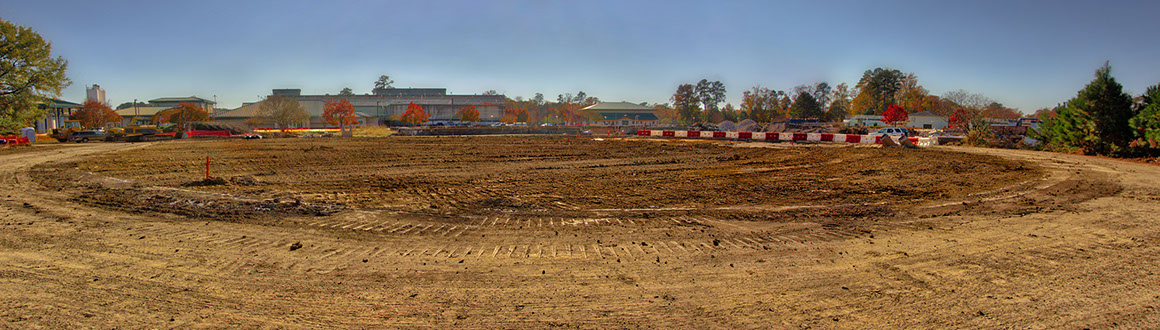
538, 109
875, 92
1102, 119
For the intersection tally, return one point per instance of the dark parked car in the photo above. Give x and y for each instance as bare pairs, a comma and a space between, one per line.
86, 136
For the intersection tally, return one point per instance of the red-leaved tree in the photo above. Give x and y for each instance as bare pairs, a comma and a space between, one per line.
339, 112
95, 114
414, 114
468, 113
959, 119
895, 115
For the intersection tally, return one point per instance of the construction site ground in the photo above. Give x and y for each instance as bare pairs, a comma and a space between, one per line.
537, 231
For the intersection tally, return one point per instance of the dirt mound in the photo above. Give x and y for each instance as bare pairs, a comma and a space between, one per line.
206, 182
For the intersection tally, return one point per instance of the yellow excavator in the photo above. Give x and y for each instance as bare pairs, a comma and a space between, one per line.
62, 134
141, 133
138, 133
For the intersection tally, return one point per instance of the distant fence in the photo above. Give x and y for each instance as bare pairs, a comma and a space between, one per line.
826, 137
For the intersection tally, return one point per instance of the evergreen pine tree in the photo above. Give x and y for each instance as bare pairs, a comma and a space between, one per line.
805, 106
1096, 120
1146, 124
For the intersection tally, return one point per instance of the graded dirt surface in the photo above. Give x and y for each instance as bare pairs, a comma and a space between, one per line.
490, 232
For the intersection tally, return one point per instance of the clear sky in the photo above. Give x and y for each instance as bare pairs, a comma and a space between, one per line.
1024, 54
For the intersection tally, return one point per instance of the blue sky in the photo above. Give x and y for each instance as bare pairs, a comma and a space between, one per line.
1025, 54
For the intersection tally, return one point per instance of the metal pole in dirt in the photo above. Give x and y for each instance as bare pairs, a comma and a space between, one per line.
207, 167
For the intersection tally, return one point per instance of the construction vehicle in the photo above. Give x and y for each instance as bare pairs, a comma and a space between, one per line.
70, 127
138, 133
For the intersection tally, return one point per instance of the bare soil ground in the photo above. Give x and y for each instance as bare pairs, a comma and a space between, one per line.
573, 232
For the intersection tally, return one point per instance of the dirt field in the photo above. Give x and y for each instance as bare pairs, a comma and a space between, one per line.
573, 232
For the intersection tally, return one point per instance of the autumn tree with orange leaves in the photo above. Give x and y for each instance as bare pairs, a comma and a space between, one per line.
468, 113
522, 115
339, 112
509, 115
95, 114
414, 114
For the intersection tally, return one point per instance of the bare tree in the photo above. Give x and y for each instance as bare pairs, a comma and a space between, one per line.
972, 104
283, 111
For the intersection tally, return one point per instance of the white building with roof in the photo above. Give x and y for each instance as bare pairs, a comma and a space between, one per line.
927, 120
621, 114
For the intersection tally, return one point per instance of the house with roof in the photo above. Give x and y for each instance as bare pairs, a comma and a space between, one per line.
143, 115
927, 120
173, 102
620, 114
57, 113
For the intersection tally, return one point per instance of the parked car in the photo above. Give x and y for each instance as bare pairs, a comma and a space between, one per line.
892, 131
251, 136
86, 136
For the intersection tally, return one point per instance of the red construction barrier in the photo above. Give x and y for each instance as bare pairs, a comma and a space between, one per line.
829, 137
195, 133
13, 140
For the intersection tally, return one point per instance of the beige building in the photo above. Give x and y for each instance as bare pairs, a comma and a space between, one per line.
383, 106
620, 114
143, 115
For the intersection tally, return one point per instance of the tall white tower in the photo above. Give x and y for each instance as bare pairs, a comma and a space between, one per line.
95, 93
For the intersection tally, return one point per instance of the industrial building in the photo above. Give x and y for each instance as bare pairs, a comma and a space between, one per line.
95, 93
382, 106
